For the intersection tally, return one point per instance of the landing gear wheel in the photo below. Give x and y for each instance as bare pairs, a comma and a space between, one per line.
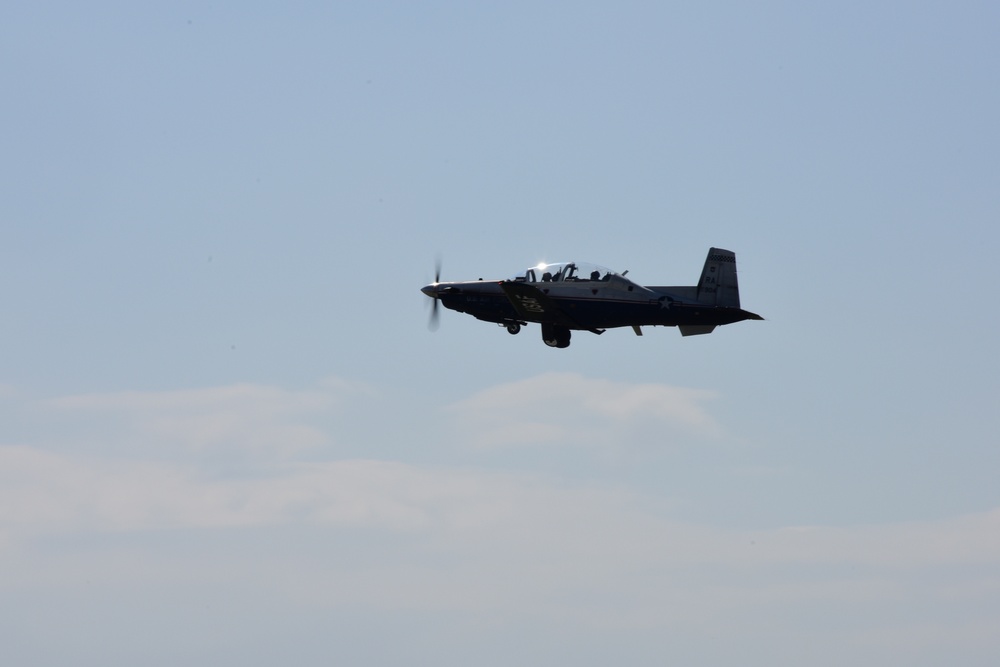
513, 328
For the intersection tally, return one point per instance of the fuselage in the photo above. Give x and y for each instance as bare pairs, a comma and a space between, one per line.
590, 305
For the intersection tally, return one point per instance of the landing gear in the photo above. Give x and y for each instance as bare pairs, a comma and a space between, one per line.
555, 335
513, 328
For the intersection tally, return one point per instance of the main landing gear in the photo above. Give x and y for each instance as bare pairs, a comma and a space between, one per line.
555, 335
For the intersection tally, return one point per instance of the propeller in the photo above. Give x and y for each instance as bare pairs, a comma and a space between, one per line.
434, 322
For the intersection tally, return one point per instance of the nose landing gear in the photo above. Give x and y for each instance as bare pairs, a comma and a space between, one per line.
513, 328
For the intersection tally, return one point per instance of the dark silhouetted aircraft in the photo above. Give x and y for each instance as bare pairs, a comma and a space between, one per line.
571, 296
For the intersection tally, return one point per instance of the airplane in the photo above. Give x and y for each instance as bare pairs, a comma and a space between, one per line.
574, 296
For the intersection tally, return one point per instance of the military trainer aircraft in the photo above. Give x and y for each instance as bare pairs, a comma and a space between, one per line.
571, 296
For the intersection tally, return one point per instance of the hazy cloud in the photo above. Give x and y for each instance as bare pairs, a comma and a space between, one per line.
363, 536
523, 516
244, 416
568, 408
391, 536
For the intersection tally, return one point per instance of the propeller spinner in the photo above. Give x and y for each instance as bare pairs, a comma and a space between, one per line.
431, 291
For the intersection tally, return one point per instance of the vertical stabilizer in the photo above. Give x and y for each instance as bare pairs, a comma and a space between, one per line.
718, 286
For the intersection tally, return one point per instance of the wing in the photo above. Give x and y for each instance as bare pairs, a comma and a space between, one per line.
534, 305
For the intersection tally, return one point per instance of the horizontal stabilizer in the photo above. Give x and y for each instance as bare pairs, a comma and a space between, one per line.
696, 329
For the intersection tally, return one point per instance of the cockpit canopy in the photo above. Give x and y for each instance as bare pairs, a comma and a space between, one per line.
569, 272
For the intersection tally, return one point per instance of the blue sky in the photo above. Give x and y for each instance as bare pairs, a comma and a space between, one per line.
227, 436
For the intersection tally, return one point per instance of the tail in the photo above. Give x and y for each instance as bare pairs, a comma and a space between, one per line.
718, 285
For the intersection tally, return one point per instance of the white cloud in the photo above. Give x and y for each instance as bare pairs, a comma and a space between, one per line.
389, 536
516, 513
380, 535
568, 408
386, 536
244, 416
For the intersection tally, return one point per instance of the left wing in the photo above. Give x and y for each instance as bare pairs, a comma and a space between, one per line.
534, 305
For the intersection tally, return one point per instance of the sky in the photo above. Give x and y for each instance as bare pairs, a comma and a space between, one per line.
228, 437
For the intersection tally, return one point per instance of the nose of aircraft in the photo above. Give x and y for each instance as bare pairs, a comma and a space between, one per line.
430, 290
